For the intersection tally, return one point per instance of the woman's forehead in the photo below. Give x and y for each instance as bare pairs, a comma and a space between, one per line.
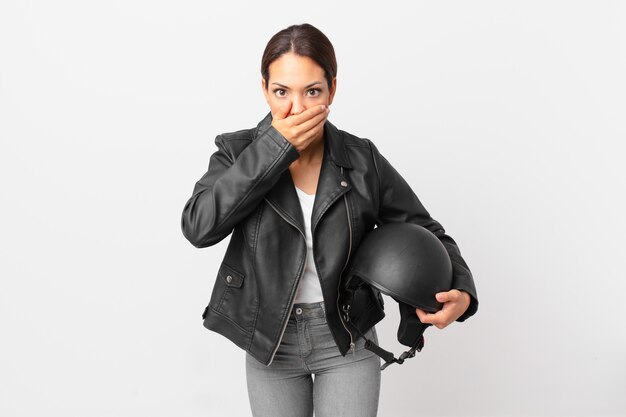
291, 68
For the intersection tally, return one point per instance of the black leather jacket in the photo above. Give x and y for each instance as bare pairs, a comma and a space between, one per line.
248, 191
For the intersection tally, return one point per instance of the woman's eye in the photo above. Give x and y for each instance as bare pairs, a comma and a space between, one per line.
279, 92
316, 92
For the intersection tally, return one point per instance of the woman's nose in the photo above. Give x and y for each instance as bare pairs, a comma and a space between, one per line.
297, 107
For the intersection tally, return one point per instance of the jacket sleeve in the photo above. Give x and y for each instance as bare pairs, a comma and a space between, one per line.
233, 186
398, 203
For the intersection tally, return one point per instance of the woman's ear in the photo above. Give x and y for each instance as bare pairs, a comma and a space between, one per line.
333, 89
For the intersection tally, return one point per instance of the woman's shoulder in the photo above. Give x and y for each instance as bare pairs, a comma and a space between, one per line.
351, 139
348, 139
248, 133
356, 143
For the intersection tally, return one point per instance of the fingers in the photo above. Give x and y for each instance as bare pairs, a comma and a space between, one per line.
444, 297
283, 111
441, 318
308, 114
423, 316
300, 129
437, 319
313, 122
455, 303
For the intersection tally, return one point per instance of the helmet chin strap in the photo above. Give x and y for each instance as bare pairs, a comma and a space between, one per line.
417, 347
387, 356
367, 301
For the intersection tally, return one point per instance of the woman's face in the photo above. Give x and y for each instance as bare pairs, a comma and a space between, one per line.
299, 80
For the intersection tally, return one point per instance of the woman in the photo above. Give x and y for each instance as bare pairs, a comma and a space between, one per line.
298, 195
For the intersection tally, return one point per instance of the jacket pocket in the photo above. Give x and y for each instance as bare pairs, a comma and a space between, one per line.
230, 276
233, 299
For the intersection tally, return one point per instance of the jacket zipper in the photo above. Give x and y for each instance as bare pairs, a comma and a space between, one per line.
282, 332
345, 199
352, 345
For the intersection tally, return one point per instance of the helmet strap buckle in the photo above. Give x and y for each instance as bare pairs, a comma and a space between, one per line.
417, 347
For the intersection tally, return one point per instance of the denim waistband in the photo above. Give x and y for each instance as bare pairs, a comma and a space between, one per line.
304, 311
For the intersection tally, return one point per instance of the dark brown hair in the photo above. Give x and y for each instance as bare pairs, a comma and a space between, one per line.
305, 40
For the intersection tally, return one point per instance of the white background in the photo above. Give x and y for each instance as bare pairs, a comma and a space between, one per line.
506, 118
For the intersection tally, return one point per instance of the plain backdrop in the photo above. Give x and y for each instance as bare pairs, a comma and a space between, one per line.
507, 119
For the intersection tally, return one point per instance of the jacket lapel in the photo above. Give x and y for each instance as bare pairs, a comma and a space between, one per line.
284, 199
331, 183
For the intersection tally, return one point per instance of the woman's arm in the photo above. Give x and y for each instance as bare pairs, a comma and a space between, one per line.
234, 185
398, 203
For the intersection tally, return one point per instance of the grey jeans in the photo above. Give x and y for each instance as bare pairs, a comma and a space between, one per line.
309, 373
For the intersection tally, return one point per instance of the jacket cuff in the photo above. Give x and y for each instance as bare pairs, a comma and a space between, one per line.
473, 306
291, 153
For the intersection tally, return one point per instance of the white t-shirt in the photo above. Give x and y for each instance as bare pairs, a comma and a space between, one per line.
309, 289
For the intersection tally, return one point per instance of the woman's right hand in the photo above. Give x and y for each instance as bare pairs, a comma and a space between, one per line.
301, 129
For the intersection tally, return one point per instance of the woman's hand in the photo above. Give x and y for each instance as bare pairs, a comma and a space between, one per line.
301, 129
455, 303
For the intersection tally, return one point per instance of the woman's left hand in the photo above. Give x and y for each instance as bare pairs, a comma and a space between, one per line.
455, 303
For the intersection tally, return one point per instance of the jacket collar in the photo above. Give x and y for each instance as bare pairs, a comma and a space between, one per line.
332, 184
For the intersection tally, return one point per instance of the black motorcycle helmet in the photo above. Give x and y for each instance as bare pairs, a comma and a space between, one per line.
406, 262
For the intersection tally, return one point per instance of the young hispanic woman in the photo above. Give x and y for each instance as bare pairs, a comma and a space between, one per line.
298, 195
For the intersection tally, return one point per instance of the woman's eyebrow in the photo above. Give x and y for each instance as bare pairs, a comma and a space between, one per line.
306, 86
